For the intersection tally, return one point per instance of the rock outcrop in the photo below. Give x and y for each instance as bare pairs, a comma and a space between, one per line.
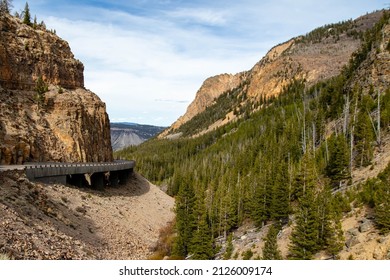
67, 123
27, 53
208, 92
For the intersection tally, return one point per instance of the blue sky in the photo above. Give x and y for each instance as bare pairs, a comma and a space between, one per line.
147, 58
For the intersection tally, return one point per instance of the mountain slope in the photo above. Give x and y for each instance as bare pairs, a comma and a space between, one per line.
319, 55
211, 89
54, 222
131, 134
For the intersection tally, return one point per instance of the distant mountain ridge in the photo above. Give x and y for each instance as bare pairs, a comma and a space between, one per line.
131, 134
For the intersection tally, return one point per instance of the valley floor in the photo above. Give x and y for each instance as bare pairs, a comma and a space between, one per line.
63, 222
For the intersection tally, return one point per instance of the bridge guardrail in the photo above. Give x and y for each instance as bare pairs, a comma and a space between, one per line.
47, 170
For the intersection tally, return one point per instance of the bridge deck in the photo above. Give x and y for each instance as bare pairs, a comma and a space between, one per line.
37, 170
76, 173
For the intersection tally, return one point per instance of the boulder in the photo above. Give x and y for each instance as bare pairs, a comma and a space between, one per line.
352, 242
353, 231
366, 226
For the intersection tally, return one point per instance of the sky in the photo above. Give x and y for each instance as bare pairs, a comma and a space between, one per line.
146, 59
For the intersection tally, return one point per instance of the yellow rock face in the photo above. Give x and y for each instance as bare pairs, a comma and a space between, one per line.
69, 123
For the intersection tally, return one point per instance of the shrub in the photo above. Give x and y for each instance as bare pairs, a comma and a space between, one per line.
247, 255
229, 248
41, 88
165, 242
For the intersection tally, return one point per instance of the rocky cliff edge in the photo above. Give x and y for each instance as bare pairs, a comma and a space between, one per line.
66, 123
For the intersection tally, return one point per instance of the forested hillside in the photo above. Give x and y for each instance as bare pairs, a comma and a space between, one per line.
283, 162
319, 55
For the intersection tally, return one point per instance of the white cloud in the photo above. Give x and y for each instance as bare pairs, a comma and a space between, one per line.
131, 69
138, 54
204, 16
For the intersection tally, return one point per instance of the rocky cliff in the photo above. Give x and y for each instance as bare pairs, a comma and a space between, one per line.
319, 55
27, 53
66, 123
208, 92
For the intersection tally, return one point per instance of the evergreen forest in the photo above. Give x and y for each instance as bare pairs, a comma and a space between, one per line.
289, 162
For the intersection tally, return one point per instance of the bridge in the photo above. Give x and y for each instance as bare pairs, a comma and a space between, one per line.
95, 175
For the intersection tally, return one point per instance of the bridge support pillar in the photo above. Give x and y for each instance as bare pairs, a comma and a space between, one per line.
114, 178
124, 176
97, 181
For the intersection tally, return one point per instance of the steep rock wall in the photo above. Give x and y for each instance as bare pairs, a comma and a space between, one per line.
27, 53
68, 123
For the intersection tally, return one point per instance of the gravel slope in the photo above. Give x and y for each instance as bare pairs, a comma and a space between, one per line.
40, 221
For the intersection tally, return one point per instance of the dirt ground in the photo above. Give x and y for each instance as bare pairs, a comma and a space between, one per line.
39, 221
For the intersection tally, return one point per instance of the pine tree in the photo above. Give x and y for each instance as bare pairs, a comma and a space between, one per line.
259, 202
228, 204
382, 205
271, 250
185, 220
27, 15
335, 240
382, 211
304, 238
306, 177
364, 137
280, 207
201, 243
338, 166
201, 246
41, 88
229, 248
385, 107
256, 206
329, 217
323, 212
